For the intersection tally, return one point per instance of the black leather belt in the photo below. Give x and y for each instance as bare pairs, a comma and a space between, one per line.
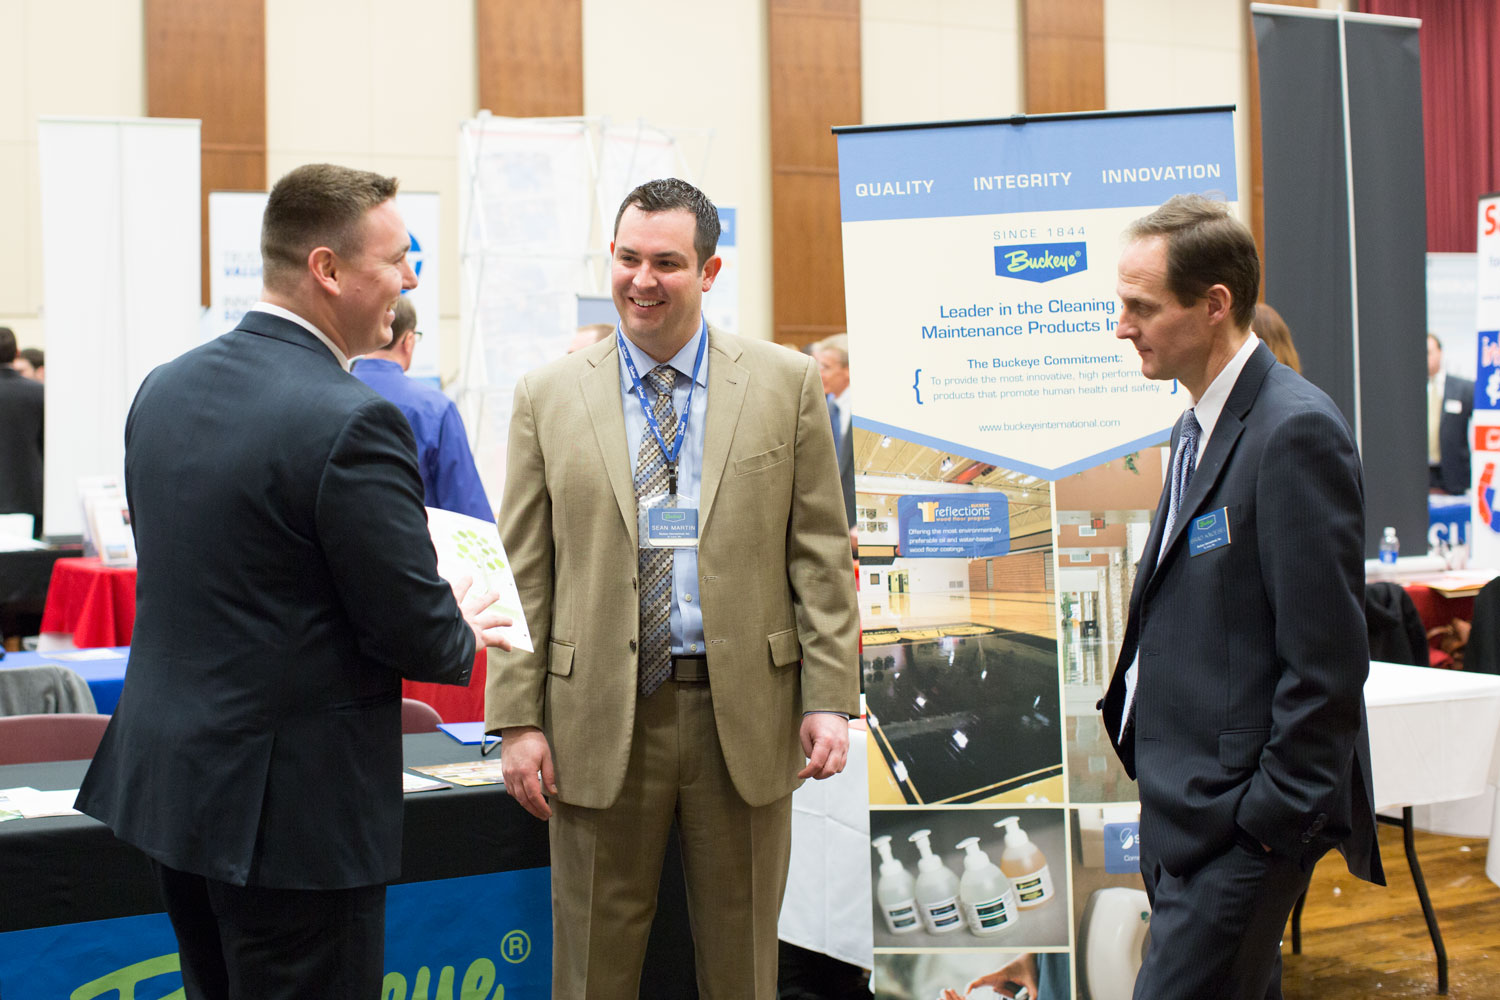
690, 668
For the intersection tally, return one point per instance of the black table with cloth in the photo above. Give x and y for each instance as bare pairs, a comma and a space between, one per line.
70, 869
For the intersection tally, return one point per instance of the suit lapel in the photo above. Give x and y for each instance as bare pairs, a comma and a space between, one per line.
727, 382
601, 395
1226, 433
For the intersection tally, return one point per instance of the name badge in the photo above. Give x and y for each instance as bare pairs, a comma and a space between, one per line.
1208, 531
1453, 406
668, 520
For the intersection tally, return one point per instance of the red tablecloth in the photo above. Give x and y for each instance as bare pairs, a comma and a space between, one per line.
96, 603
453, 703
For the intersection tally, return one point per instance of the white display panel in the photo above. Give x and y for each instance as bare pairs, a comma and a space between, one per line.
120, 277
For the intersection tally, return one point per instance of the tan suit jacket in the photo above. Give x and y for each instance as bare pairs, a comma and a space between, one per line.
776, 579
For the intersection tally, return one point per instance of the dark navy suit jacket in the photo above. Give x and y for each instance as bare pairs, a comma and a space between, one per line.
286, 584
1249, 704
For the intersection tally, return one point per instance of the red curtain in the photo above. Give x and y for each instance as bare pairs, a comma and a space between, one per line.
1460, 109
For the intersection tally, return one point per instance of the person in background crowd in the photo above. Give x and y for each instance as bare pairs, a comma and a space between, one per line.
22, 437
287, 582
588, 335
1450, 406
31, 362
1238, 699
682, 682
449, 479
1272, 329
832, 356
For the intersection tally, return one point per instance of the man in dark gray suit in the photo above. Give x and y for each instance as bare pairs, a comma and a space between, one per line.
1237, 702
286, 585
21, 437
832, 356
1450, 407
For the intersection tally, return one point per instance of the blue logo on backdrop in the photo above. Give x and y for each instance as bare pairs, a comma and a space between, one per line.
414, 255
954, 525
1041, 262
1122, 848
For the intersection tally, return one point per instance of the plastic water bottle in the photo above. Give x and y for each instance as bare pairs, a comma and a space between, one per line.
1390, 548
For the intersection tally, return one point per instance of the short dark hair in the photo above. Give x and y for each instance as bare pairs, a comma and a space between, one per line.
34, 356
317, 204
1206, 246
670, 194
7, 345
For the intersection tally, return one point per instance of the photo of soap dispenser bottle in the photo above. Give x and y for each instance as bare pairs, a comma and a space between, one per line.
1025, 865
936, 889
895, 891
986, 895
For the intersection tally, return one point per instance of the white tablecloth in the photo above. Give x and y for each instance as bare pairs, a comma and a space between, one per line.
827, 904
1433, 734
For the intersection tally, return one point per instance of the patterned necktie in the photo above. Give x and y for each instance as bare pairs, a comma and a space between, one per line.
1182, 472
655, 661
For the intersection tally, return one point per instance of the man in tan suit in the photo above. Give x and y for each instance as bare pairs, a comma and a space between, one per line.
691, 683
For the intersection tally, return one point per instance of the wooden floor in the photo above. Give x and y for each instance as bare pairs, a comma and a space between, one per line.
1360, 940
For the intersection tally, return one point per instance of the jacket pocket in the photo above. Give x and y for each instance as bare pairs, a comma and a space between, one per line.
1240, 748
764, 460
785, 648
559, 657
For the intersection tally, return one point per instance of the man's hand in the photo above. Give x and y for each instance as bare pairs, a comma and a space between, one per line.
825, 743
523, 754
483, 620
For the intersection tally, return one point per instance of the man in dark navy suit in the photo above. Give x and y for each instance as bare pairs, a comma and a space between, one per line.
286, 585
1237, 702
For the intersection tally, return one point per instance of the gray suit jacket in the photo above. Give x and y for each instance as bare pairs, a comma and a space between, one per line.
1249, 705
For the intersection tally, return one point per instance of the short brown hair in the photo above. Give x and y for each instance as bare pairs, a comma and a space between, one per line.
7, 345
670, 194
318, 204
1206, 246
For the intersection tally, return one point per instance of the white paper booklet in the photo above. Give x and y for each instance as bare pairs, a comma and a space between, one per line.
467, 546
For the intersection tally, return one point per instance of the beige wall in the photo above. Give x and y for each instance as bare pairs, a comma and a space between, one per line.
83, 57
367, 83
944, 59
718, 81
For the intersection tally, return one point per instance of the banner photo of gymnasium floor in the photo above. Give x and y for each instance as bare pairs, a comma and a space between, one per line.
1008, 456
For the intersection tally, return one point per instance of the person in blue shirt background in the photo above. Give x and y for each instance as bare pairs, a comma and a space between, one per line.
449, 479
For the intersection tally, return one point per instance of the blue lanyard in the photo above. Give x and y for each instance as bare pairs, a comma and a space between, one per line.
639, 391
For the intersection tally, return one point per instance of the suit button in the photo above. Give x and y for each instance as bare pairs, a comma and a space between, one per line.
632, 645
633, 584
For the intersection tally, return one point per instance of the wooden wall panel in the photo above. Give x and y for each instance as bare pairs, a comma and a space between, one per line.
206, 59
530, 57
814, 66
1255, 196
1063, 42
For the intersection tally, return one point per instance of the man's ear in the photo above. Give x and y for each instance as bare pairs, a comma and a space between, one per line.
1220, 303
711, 271
323, 265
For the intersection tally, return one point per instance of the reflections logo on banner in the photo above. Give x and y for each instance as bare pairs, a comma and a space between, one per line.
1041, 262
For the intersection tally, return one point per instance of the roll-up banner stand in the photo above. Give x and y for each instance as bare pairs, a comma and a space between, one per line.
1009, 457
1484, 530
1346, 234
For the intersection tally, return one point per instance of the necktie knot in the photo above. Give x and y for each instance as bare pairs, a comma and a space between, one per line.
662, 379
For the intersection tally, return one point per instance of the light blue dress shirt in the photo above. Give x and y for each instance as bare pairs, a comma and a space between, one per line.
687, 615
